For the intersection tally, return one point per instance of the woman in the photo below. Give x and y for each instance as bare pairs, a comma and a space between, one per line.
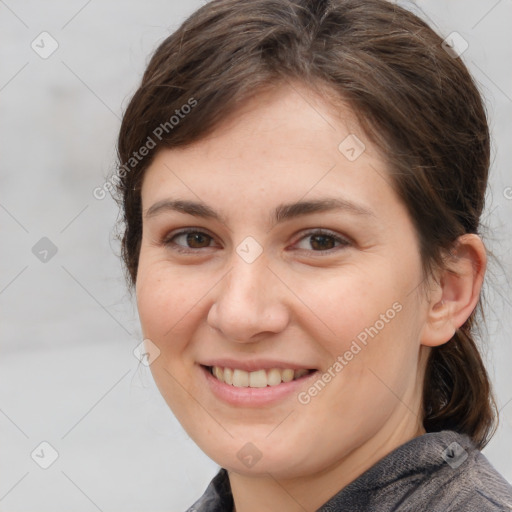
301, 183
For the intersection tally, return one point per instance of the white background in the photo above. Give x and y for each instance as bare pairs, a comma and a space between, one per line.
68, 326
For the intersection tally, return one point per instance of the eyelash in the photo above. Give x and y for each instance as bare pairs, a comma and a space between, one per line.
167, 242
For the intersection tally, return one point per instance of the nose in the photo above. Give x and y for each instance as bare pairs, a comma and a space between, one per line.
249, 303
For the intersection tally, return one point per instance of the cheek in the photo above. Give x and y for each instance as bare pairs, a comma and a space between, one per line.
168, 303
344, 302
368, 318
167, 300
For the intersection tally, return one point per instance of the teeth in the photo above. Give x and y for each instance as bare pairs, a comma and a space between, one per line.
273, 377
258, 378
287, 375
228, 376
217, 371
240, 378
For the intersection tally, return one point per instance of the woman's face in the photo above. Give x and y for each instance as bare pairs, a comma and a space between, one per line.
301, 257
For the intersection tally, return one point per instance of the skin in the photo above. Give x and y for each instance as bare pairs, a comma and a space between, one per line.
295, 301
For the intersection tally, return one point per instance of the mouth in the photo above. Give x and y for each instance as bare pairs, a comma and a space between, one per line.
262, 378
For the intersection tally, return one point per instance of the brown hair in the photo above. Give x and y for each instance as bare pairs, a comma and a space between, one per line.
414, 100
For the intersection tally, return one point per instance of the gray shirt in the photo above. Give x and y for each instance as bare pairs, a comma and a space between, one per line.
435, 472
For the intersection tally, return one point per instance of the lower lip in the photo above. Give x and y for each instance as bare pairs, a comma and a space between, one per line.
255, 397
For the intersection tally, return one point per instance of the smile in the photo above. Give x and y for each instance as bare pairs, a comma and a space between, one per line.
256, 379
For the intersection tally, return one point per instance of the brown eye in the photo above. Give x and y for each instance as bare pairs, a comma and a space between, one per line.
197, 240
322, 241
190, 240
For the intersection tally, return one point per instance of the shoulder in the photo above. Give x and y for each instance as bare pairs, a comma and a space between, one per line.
467, 482
486, 489
436, 472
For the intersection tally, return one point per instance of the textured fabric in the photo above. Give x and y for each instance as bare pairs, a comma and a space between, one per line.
435, 472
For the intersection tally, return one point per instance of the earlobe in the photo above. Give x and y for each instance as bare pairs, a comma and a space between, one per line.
457, 292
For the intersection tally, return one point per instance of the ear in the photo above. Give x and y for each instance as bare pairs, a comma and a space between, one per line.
456, 292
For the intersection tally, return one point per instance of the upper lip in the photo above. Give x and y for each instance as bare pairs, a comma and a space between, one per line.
254, 364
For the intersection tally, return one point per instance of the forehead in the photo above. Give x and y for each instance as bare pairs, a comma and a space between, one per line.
288, 140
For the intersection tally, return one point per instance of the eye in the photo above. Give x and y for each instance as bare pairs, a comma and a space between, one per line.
192, 239
323, 241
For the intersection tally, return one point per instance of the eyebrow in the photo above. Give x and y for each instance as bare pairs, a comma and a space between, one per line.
282, 212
